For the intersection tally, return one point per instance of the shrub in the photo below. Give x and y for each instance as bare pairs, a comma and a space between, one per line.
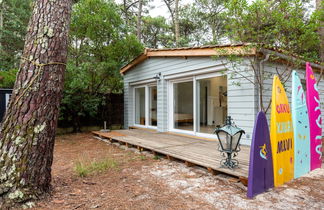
8, 78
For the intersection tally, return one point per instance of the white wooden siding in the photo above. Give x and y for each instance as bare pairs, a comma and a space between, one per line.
242, 99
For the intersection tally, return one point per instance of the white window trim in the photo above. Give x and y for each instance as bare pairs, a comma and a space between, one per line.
7, 99
143, 82
220, 69
171, 105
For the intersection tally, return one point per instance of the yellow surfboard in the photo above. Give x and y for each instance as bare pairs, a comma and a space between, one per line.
281, 135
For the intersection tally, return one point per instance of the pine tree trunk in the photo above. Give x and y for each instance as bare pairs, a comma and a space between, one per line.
1, 20
28, 129
1, 14
176, 22
321, 31
139, 20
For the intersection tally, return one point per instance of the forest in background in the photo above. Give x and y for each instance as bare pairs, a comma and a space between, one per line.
105, 35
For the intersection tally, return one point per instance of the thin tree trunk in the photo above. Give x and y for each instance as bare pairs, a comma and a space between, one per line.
176, 22
214, 34
321, 31
125, 11
139, 20
28, 131
1, 14
321, 35
1, 20
175, 18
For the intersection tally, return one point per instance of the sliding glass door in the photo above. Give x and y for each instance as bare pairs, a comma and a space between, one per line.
198, 104
183, 106
152, 106
211, 103
146, 106
140, 106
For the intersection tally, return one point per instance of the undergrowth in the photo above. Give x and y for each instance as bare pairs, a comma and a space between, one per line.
84, 169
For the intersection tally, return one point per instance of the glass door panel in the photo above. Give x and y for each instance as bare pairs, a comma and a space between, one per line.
140, 106
183, 105
153, 106
211, 103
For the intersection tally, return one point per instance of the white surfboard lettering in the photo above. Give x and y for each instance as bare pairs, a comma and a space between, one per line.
318, 121
318, 104
318, 137
318, 150
315, 87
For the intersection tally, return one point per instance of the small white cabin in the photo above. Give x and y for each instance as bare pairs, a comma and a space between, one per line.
192, 90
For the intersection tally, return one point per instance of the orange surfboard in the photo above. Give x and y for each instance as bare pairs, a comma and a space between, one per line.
281, 135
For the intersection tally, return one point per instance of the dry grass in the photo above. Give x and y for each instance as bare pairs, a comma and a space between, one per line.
84, 168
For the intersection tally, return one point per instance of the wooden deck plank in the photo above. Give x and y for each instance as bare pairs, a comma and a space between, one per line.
191, 150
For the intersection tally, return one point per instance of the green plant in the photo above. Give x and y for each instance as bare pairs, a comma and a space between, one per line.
84, 169
81, 169
156, 157
142, 157
8, 78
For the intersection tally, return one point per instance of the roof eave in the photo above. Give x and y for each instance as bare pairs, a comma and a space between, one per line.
191, 52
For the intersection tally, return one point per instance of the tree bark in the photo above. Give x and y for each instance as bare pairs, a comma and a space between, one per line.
28, 131
1, 20
139, 20
1, 14
321, 31
176, 22
321, 36
175, 18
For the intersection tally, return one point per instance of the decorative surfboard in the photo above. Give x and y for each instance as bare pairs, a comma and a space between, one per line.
260, 168
301, 127
315, 119
281, 135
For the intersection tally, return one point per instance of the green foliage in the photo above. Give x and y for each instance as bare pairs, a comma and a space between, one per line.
77, 101
192, 28
142, 157
278, 24
84, 169
156, 32
99, 47
8, 78
156, 157
211, 20
15, 14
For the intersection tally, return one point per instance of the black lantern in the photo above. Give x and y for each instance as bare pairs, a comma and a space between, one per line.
229, 137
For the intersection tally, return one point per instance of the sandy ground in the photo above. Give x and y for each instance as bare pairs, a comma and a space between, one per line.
142, 182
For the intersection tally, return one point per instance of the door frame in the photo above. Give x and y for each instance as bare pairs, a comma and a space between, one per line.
8, 95
171, 102
146, 106
195, 90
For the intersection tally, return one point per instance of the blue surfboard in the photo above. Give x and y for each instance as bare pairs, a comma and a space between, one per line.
301, 127
260, 167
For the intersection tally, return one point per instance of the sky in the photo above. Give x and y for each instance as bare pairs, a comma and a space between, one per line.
161, 10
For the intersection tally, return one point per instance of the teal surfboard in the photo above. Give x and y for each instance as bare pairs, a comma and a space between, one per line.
301, 127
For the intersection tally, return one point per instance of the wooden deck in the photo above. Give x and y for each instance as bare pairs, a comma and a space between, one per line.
192, 150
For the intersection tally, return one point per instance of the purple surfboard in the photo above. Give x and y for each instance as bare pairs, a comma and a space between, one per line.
260, 167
